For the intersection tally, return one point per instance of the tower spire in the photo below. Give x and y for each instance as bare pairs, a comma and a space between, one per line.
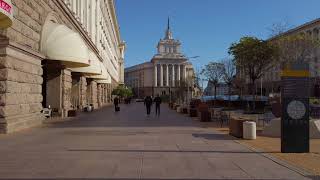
168, 31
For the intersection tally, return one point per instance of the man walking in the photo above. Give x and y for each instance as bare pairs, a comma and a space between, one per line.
157, 101
116, 104
148, 103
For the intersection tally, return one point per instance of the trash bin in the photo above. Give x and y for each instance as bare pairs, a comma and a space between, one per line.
249, 130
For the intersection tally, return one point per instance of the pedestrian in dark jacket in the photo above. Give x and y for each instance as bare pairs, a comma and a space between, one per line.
157, 101
148, 103
116, 103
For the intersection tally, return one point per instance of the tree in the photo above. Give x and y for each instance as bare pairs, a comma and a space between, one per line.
229, 72
122, 91
279, 28
213, 72
254, 57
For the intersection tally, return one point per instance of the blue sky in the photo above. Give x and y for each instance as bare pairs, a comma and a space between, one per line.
206, 28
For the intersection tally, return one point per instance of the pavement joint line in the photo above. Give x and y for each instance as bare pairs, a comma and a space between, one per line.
242, 169
283, 163
141, 167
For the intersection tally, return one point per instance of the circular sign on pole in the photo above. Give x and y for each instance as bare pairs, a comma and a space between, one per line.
296, 109
6, 13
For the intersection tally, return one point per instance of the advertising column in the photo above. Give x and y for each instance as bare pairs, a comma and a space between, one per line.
295, 108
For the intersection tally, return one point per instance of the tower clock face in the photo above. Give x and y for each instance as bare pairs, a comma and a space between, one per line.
296, 109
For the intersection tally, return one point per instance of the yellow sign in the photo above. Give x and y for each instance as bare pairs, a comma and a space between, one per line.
295, 73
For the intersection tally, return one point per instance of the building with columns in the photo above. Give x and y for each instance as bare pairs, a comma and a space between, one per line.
168, 72
62, 54
270, 82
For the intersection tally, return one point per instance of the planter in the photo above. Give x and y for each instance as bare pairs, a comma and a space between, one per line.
193, 112
185, 110
236, 127
72, 113
171, 105
203, 107
205, 116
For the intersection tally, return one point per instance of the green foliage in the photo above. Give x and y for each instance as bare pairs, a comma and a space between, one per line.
122, 91
253, 55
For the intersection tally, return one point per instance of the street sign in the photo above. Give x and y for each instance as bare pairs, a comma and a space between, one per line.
295, 108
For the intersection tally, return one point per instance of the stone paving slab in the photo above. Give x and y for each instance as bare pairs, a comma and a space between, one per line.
130, 145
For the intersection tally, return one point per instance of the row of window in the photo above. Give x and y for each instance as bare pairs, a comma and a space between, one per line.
96, 20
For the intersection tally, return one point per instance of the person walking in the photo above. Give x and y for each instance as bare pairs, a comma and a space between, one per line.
157, 101
148, 103
116, 104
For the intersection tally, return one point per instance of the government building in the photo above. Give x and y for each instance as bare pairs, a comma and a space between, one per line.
64, 55
168, 73
270, 82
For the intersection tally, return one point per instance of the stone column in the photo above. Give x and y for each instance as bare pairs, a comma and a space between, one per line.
66, 85
83, 91
173, 77
167, 75
184, 72
161, 75
155, 75
94, 94
179, 78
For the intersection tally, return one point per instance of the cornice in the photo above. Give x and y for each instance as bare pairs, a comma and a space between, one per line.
114, 19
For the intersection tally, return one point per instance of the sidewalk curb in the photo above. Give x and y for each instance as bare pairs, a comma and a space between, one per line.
288, 165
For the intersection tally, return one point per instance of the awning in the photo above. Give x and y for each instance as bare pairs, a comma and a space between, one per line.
104, 77
62, 44
93, 69
104, 81
6, 13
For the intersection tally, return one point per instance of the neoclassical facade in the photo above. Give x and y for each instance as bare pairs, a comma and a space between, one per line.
167, 72
62, 54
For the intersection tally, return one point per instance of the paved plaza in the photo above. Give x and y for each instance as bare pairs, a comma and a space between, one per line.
129, 145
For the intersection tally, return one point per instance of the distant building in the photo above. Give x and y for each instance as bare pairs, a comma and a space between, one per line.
271, 80
222, 89
166, 73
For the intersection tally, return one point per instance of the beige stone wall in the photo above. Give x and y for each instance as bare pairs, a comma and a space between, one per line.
93, 94
99, 94
66, 84
20, 89
21, 72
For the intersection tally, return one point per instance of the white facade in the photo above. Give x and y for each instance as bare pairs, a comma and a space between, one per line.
98, 19
167, 71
